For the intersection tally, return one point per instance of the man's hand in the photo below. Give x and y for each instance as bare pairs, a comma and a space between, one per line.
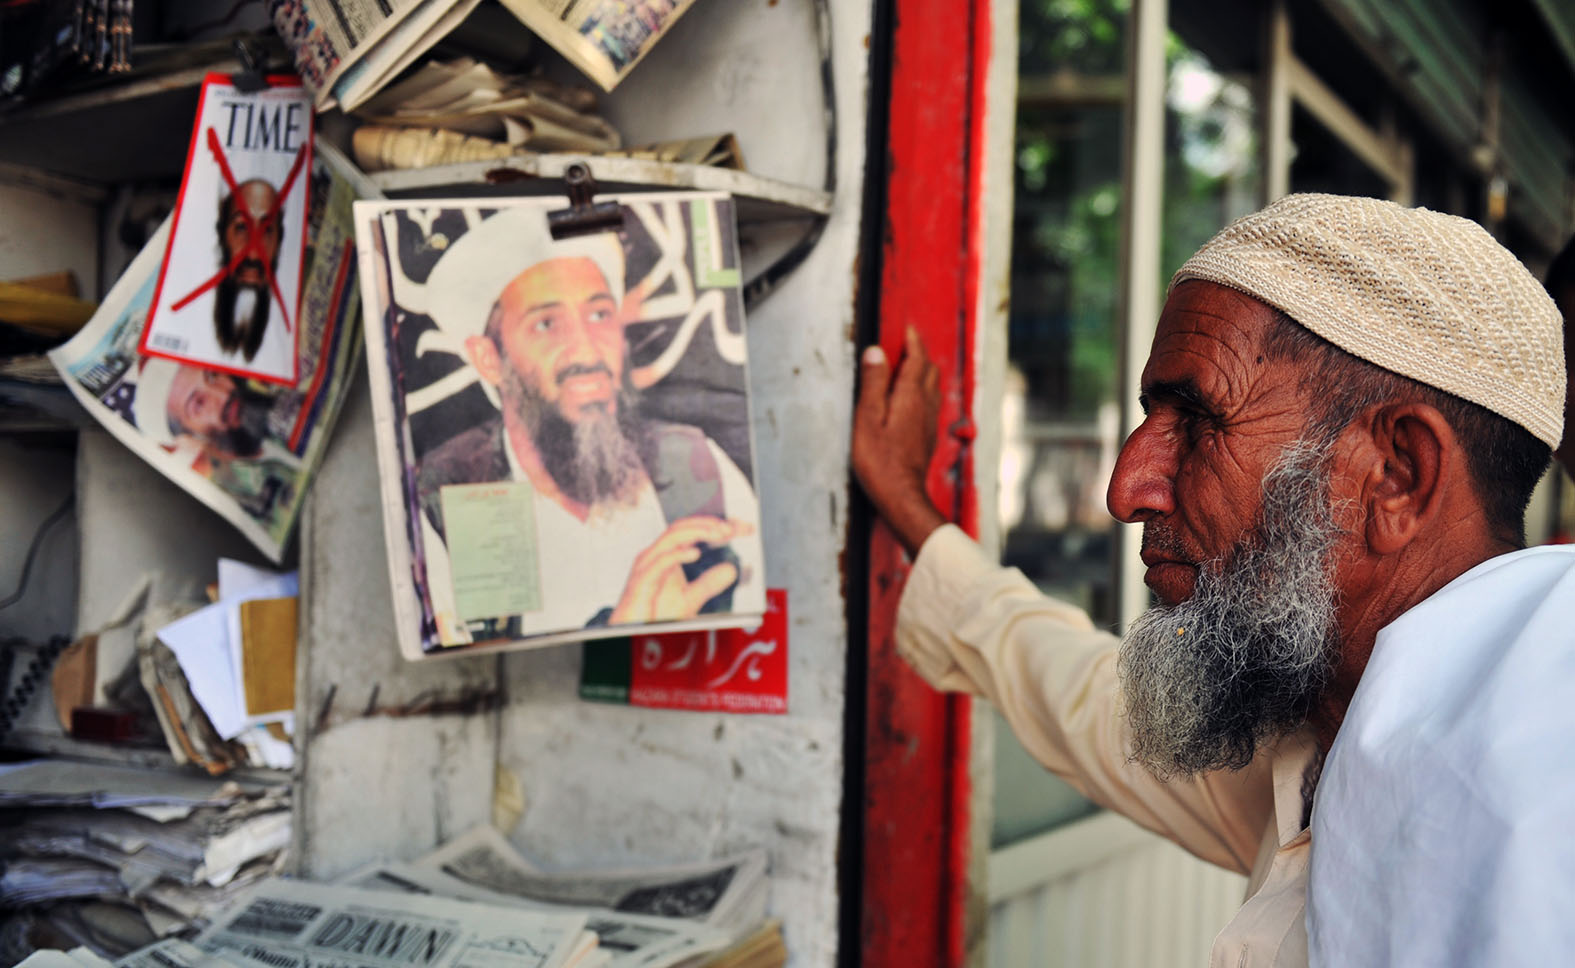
894, 438
657, 590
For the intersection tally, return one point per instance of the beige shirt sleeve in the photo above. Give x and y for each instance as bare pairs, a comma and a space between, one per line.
968, 625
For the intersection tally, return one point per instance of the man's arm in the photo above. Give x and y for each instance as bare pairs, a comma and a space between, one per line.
966, 624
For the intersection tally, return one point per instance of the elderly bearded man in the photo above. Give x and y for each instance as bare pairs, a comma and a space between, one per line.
656, 514
1347, 404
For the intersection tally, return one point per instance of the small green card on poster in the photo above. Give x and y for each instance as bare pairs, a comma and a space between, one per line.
492, 547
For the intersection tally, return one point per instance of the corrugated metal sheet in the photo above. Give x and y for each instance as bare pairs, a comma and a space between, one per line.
1434, 49
1106, 895
1559, 15
1437, 52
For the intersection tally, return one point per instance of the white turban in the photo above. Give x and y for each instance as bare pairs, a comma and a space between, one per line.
1423, 294
150, 405
472, 274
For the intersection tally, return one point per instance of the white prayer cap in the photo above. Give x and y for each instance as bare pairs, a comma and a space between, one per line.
1423, 294
472, 274
150, 405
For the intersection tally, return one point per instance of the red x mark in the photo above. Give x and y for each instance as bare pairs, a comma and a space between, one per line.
255, 229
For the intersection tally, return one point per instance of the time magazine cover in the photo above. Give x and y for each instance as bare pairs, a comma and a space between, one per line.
245, 448
229, 287
563, 426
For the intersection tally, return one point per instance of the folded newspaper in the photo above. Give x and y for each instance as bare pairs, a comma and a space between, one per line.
603, 38
562, 425
649, 918
246, 449
295, 924
470, 98
346, 51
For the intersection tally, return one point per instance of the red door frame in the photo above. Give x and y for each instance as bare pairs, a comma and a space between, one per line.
916, 773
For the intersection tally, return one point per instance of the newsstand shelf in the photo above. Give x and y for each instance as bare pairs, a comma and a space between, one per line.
759, 199
117, 128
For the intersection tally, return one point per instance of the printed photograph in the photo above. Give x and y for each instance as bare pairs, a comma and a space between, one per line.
573, 446
622, 29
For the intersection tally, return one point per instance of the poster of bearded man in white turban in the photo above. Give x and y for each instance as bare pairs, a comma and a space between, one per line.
564, 438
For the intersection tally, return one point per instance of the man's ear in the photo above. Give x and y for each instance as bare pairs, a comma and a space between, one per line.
484, 357
1414, 453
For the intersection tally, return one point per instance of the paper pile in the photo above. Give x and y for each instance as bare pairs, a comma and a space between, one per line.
112, 857
472, 901
238, 658
652, 918
466, 108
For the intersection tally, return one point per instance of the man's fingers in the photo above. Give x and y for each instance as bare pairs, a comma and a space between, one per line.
657, 566
713, 582
873, 385
695, 529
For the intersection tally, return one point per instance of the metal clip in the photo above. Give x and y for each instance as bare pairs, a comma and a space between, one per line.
584, 216
253, 75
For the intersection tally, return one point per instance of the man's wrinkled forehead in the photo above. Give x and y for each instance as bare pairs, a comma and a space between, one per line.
1208, 334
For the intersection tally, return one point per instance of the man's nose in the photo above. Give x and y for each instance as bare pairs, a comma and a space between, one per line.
579, 347
1143, 485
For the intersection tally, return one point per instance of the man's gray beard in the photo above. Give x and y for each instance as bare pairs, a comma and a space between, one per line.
1243, 660
593, 460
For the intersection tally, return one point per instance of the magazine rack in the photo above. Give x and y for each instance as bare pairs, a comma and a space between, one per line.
393, 758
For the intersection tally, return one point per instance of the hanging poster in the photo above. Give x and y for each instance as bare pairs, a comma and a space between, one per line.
245, 448
562, 425
229, 289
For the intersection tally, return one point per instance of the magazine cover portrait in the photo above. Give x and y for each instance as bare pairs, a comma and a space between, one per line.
244, 447
230, 286
563, 424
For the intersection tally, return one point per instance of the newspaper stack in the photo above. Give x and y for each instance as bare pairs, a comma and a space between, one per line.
466, 107
170, 953
283, 923
690, 914
113, 857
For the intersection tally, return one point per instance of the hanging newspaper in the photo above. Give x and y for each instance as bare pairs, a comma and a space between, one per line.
229, 287
296, 924
562, 425
603, 38
244, 448
346, 50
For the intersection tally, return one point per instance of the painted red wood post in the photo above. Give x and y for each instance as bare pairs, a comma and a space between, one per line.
916, 837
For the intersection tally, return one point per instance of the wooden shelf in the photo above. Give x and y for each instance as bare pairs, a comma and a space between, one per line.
759, 199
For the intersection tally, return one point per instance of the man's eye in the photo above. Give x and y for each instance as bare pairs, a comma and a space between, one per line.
542, 324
